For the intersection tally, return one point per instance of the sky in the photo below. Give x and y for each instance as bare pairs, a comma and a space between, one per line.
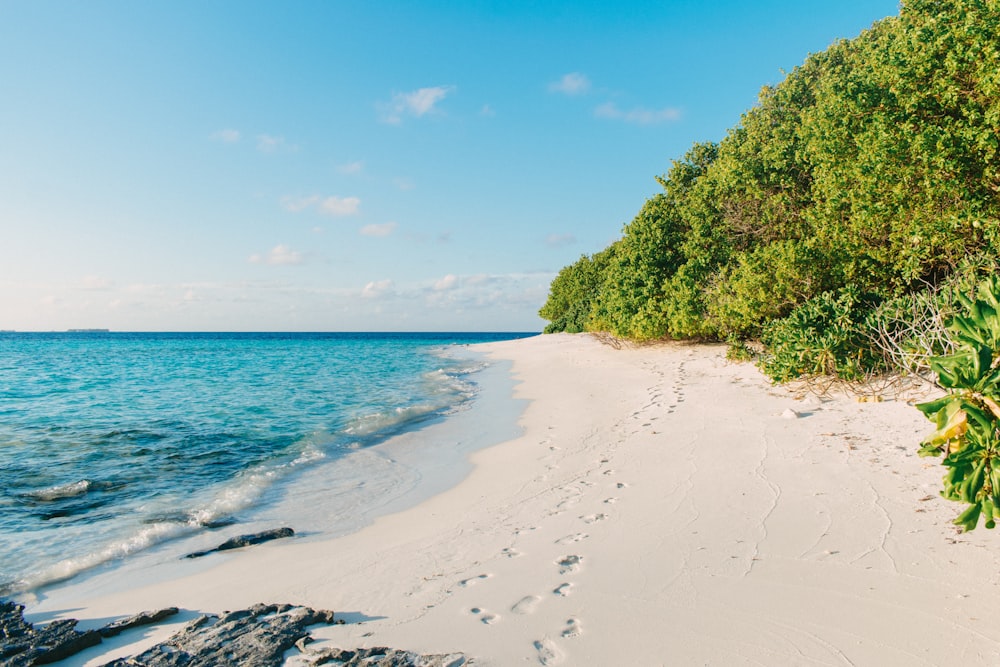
353, 165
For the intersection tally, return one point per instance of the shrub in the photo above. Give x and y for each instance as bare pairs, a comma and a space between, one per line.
967, 419
910, 329
823, 336
762, 285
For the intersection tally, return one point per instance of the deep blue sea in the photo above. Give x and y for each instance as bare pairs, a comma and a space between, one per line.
113, 445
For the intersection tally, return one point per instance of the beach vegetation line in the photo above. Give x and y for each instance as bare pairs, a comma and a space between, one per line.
837, 224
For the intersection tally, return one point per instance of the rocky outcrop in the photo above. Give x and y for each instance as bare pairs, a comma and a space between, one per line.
23, 645
254, 637
143, 618
385, 657
246, 541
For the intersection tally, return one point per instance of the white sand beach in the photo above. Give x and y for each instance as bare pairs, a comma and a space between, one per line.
662, 506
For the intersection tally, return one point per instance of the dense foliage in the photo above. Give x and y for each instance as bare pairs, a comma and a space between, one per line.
869, 176
968, 417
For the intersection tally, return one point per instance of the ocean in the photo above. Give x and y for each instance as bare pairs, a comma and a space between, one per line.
118, 447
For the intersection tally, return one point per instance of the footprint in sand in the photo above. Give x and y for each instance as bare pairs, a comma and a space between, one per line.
562, 590
526, 605
594, 518
572, 628
621, 485
548, 654
610, 501
485, 617
570, 539
569, 564
510, 553
465, 583
565, 504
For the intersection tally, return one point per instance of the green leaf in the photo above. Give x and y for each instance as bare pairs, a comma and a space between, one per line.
969, 518
931, 408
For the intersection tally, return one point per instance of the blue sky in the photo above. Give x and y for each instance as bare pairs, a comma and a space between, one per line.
353, 165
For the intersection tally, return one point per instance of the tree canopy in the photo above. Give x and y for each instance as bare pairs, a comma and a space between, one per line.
871, 171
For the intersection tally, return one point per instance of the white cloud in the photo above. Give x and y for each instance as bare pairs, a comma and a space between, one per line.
95, 283
639, 115
351, 167
481, 279
457, 301
297, 204
423, 100
403, 184
228, 135
446, 283
416, 103
376, 289
140, 288
267, 143
333, 206
482, 292
384, 229
338, 206
279, 255
559, 240
487, 111
573, 83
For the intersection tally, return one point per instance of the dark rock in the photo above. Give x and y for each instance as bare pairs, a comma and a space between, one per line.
246, 541
256, 538
143, 618
255, 637
385, 657
21, 644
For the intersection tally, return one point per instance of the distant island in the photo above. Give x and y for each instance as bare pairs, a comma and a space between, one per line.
88, 330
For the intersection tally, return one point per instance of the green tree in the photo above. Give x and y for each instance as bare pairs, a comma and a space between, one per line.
650, 251
872, 169
573, 293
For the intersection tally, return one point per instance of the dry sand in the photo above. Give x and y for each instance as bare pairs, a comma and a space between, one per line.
662, 507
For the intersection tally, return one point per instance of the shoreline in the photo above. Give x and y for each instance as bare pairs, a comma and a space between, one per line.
660, 506
210, 449
334, 498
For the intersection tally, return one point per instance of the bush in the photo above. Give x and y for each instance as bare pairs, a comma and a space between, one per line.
824, 336
762, 285
573, 293
910, 329
968, 417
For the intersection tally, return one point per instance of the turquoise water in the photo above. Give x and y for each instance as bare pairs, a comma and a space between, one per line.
112, 444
